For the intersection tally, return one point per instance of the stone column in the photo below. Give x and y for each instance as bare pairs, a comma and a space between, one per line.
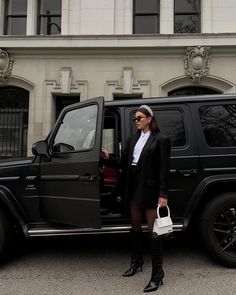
2, 6
65, 17
206, 16
166, 16
31, 26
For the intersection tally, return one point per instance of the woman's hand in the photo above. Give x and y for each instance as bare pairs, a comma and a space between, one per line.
162, 202
105, 154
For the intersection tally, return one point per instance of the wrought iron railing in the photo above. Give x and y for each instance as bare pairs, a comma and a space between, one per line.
13, 132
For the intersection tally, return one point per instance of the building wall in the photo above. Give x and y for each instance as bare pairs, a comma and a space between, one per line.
107, 17
97, 54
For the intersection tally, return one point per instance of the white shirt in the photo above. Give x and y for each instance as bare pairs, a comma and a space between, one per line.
139, 146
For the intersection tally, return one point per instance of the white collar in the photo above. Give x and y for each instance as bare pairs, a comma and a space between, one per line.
145, 134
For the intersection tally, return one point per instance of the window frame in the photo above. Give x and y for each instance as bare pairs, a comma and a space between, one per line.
188, 13
8, 16
146, 14
202, 131
41, 17
110, 113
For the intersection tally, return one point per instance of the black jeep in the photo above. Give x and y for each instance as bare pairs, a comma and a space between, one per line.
64, 189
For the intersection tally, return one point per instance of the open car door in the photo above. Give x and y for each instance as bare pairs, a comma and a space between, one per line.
69, 178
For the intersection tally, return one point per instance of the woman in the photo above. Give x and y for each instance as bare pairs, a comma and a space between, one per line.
146, 167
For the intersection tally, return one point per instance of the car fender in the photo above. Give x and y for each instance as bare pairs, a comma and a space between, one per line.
14, 208
200, 192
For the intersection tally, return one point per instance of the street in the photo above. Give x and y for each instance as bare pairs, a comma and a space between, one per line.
93, 265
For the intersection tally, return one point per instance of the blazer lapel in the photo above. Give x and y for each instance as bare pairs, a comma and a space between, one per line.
147, 144
132, 145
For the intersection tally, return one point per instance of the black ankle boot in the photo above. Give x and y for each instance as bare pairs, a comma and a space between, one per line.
157, 270
137, 257
136, 264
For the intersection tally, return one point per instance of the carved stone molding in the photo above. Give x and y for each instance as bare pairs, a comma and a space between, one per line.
127, 80
66, 79
6, 64
127, 85
197, 63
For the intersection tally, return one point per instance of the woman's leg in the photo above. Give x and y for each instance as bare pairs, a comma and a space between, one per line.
151, 215
136, 216
156, 253
135, 240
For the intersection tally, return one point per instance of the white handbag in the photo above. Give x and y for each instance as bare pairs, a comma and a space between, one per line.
163, 225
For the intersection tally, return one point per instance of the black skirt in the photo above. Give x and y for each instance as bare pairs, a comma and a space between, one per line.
134, 179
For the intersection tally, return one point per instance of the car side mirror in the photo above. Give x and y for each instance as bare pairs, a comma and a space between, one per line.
40, 148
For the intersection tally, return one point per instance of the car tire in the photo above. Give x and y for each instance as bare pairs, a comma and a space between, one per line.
218, 228
5, 235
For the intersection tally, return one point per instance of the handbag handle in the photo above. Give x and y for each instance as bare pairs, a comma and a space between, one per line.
158, 210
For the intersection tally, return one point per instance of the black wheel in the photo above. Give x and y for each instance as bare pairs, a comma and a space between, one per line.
5, 235
218, 228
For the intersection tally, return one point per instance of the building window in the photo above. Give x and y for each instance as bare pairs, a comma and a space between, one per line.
192, 90
64, 101
146, 17
187, 16
49, 17
14, 109
15, 17
120, 96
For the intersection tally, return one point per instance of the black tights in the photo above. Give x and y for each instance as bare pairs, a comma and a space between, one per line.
136, 218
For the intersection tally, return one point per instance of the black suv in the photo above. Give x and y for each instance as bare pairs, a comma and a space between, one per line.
64, 189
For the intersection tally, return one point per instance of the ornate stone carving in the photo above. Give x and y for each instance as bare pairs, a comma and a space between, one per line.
128, 80
127, 85
197, 63
66, 79
6, 64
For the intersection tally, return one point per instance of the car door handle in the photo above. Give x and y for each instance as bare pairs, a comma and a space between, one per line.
188, 172
88, 178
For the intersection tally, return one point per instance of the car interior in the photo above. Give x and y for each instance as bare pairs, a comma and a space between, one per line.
111, 200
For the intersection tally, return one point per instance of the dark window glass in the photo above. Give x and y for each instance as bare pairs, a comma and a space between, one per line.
187, 16
14, 104
146, 24
49, 17
171, 123
187, 6
192, 90
15, 17
219, 125
148, 6
146, 16
118, 96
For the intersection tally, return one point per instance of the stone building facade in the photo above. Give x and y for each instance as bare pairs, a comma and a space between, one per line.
71, 50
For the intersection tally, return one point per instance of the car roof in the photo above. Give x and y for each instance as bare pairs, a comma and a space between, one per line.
170, 100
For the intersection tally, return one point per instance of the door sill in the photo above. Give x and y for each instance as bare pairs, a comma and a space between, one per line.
67, 231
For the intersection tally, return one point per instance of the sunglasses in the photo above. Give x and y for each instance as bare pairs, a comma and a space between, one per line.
139, 118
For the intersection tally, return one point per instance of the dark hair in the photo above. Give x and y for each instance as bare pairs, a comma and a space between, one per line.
153, 124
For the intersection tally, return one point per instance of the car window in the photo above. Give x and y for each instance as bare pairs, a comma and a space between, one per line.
219, 124
110, 136
77, 130
171, 124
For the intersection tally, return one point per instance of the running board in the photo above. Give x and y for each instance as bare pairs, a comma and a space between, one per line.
39, 232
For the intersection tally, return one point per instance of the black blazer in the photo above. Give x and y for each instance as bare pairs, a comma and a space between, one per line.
152, 167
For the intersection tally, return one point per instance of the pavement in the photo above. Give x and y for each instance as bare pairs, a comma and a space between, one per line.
94, 265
